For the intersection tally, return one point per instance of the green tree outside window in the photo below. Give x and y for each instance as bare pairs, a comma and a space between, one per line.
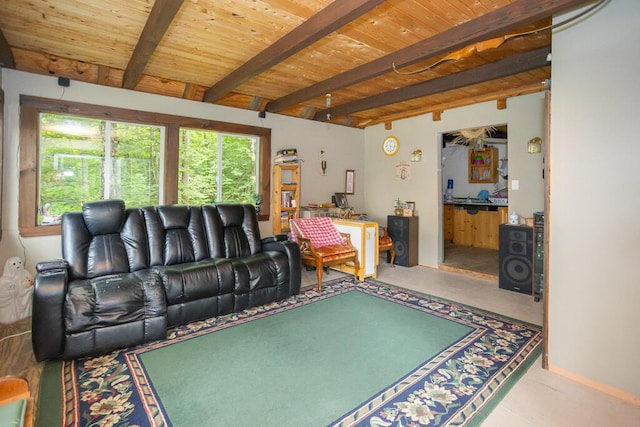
217, 167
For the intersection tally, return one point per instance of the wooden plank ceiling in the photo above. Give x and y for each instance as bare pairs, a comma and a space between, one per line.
285, 56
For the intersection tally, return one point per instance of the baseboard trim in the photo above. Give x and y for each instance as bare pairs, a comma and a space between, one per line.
623, 395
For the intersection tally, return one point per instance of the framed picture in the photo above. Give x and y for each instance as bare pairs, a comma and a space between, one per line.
349, 181
341, 200
410, 205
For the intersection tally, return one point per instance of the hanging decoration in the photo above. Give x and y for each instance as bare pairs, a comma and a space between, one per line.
327, 103
403, 171
474, 137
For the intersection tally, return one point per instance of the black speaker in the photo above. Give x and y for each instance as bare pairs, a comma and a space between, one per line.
403, 230
516, 258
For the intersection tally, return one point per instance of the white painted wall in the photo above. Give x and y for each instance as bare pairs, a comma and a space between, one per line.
594, 301
343, 148
455, 165
524, 117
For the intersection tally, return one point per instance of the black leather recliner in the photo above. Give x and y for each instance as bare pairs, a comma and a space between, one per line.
127, 275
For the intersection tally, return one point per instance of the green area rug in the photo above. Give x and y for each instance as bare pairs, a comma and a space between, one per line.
356, 354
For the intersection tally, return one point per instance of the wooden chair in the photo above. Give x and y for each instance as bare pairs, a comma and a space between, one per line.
322, 245
12, 391
385, 243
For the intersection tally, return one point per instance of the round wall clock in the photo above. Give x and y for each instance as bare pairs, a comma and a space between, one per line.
390, 145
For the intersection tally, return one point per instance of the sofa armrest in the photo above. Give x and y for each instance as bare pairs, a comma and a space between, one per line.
292, 250
288, 247
49, 293
56, 264
276, 238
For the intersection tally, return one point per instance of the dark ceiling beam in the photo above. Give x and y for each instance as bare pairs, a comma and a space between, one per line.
329, 19
492, 24
6, 56
514, 64
162, 14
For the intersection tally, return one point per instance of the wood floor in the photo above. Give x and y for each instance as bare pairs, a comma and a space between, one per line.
540, 398
16, 354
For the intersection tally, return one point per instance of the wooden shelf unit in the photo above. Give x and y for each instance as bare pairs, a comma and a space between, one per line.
487, 171
286, 196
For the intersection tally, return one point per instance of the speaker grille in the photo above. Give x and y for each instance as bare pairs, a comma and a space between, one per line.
404, 232
516, 258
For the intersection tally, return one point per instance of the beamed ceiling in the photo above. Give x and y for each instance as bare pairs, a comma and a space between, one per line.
285, 56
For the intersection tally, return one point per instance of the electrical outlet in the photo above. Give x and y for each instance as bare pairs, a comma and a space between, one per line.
515, 184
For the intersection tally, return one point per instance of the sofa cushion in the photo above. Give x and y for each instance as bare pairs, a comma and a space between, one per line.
104, 216
260, 279
104, 239
176, 234
232, 230
198, 290
192, 281
113, 300
320, 230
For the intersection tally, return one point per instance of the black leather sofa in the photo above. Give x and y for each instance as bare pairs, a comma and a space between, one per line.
128, 275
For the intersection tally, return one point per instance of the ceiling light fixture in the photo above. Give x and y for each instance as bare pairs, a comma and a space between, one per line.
327, 103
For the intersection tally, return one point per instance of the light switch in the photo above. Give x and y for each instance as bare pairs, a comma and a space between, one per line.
515, 184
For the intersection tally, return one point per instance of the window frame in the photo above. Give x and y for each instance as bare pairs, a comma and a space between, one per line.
220, 156
32, 106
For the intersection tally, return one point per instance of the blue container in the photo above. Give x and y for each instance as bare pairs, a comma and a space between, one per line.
450, 184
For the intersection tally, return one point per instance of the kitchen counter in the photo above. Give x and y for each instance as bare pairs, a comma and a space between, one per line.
475, 203
473, 222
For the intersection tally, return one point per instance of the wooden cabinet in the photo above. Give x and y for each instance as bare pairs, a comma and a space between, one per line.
483, 166
477, 228
447, 219
286, 196
364, 237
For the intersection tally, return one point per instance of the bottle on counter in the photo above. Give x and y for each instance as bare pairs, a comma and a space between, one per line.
449, 194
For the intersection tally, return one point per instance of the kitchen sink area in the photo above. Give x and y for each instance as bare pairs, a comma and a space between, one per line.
491, 203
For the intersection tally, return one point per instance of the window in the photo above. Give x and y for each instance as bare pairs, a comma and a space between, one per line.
84, 159
217, 167
73, 152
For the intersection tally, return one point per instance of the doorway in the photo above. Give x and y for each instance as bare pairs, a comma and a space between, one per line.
473, 206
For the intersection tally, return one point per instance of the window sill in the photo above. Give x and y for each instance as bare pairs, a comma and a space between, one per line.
43, 230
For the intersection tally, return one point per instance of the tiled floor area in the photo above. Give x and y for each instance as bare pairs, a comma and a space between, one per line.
539, 398
480, 260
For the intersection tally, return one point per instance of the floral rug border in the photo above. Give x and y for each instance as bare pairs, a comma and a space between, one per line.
449, 389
